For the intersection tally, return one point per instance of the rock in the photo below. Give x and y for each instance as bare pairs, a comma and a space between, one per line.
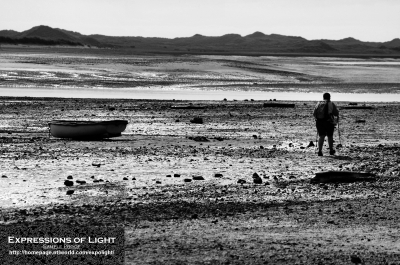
218, 175
197, 120
241, 181
70, 192
96, 164
342, 177
360, 121
255, 136
187, 180
80, 182
355, 259
199, 139
177, 175
168, 176
158, 182
96, 180
197, 178
195, 216
257, 179
68, 183
311, 144
133, 178
4, 176
125, 178
69, 177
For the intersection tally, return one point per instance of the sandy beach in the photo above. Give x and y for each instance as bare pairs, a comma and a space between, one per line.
185, 192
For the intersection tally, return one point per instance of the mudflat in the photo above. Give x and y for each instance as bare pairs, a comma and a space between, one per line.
149, 180
234, 189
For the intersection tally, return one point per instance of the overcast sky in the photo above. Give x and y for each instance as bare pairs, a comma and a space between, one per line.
366, 20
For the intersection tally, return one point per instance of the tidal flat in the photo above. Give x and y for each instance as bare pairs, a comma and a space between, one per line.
185, 192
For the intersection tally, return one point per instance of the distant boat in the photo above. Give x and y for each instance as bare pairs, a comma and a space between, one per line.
279, 105
186, 106
357, 107
89, 130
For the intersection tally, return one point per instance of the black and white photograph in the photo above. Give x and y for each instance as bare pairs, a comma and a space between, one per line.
200, 132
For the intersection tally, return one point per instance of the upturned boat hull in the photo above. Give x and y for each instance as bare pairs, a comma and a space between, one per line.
87, 129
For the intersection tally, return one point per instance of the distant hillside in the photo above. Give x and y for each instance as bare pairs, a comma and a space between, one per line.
256, 42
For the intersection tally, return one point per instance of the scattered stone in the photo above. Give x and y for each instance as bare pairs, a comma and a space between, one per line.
168, 176
125, 178
195, 216
255, 136
197, 178
311, 144
96, 180
68, 183
292, 177
133, 178
187, 180
92, 177
360, 121
96, 164
69, 177
4, 176
241, 181
355, 259
177, 175
197, 120
70, 192
158, 182
199, 138
218, 175
290, 145
257, 179
80, 182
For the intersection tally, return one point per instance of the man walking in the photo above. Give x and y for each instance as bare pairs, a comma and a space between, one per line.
324, 114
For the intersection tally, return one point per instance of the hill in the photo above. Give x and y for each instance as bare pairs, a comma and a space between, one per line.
256, 42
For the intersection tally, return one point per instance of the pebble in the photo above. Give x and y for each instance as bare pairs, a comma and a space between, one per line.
257, 179
70, 192
187, 180
4, 176
68, 183
168, 176
125, 178
197, 120
241, 181
218, 175
311, 144
197, 178
177, 175
80, 182
69, 177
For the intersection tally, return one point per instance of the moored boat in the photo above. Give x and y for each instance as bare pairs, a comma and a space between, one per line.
87, 129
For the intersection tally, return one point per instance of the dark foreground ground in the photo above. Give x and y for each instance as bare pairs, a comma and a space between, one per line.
284, 220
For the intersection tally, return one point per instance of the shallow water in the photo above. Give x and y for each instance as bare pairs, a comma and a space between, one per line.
187, 94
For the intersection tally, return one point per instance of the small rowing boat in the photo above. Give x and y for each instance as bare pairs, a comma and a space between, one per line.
87, 129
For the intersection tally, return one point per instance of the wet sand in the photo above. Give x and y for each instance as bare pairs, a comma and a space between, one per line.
171, 219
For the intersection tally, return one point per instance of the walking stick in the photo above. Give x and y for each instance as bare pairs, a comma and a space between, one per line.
338, 128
